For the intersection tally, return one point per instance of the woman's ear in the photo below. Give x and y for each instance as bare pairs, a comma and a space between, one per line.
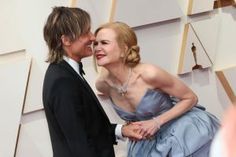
124, 52
65, 40
126, 48
122, 55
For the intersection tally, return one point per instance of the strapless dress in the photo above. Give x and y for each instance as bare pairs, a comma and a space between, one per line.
189, 135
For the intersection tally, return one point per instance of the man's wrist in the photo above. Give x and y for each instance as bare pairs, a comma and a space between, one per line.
118, 132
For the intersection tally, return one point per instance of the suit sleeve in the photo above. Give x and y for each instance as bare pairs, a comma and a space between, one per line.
113, 132
69, 112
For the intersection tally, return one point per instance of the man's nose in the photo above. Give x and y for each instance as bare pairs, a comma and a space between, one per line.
92, 37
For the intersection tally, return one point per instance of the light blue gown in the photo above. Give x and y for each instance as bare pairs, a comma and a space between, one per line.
189, 135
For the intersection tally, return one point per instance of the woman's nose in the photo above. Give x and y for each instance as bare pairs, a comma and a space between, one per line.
96, 47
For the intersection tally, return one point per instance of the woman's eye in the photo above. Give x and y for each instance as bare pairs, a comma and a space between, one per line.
104, 42
95, 43
101, 42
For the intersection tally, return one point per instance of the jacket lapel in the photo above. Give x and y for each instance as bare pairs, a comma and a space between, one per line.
85, 84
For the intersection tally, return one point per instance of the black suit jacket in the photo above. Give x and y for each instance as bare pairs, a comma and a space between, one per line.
77, 123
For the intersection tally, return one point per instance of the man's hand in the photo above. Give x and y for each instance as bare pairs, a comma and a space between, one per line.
132, 131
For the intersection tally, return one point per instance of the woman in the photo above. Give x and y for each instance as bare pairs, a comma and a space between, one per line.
144, 94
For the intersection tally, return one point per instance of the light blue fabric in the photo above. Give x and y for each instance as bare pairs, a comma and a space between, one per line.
188, 135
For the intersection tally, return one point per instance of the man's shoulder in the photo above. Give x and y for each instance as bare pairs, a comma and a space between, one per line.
59, 68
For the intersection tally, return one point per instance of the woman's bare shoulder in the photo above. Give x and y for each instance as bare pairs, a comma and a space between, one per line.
153, 75
149, 71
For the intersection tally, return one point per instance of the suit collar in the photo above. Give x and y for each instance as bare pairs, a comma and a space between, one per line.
74, 64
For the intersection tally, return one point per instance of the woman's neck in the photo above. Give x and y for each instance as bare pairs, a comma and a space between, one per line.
119, 74
120, 78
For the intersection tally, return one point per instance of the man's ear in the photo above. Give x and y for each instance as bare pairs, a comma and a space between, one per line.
65, 40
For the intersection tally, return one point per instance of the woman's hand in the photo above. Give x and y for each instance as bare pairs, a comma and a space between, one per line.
132, 131
148, 127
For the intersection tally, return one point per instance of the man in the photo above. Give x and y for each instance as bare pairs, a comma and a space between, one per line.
77, 123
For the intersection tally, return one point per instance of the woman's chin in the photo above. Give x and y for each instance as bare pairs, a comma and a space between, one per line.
100, 63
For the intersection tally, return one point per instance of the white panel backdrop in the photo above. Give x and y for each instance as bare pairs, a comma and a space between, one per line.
14, 76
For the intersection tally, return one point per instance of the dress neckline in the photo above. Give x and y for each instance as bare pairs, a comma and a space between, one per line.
139, 104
